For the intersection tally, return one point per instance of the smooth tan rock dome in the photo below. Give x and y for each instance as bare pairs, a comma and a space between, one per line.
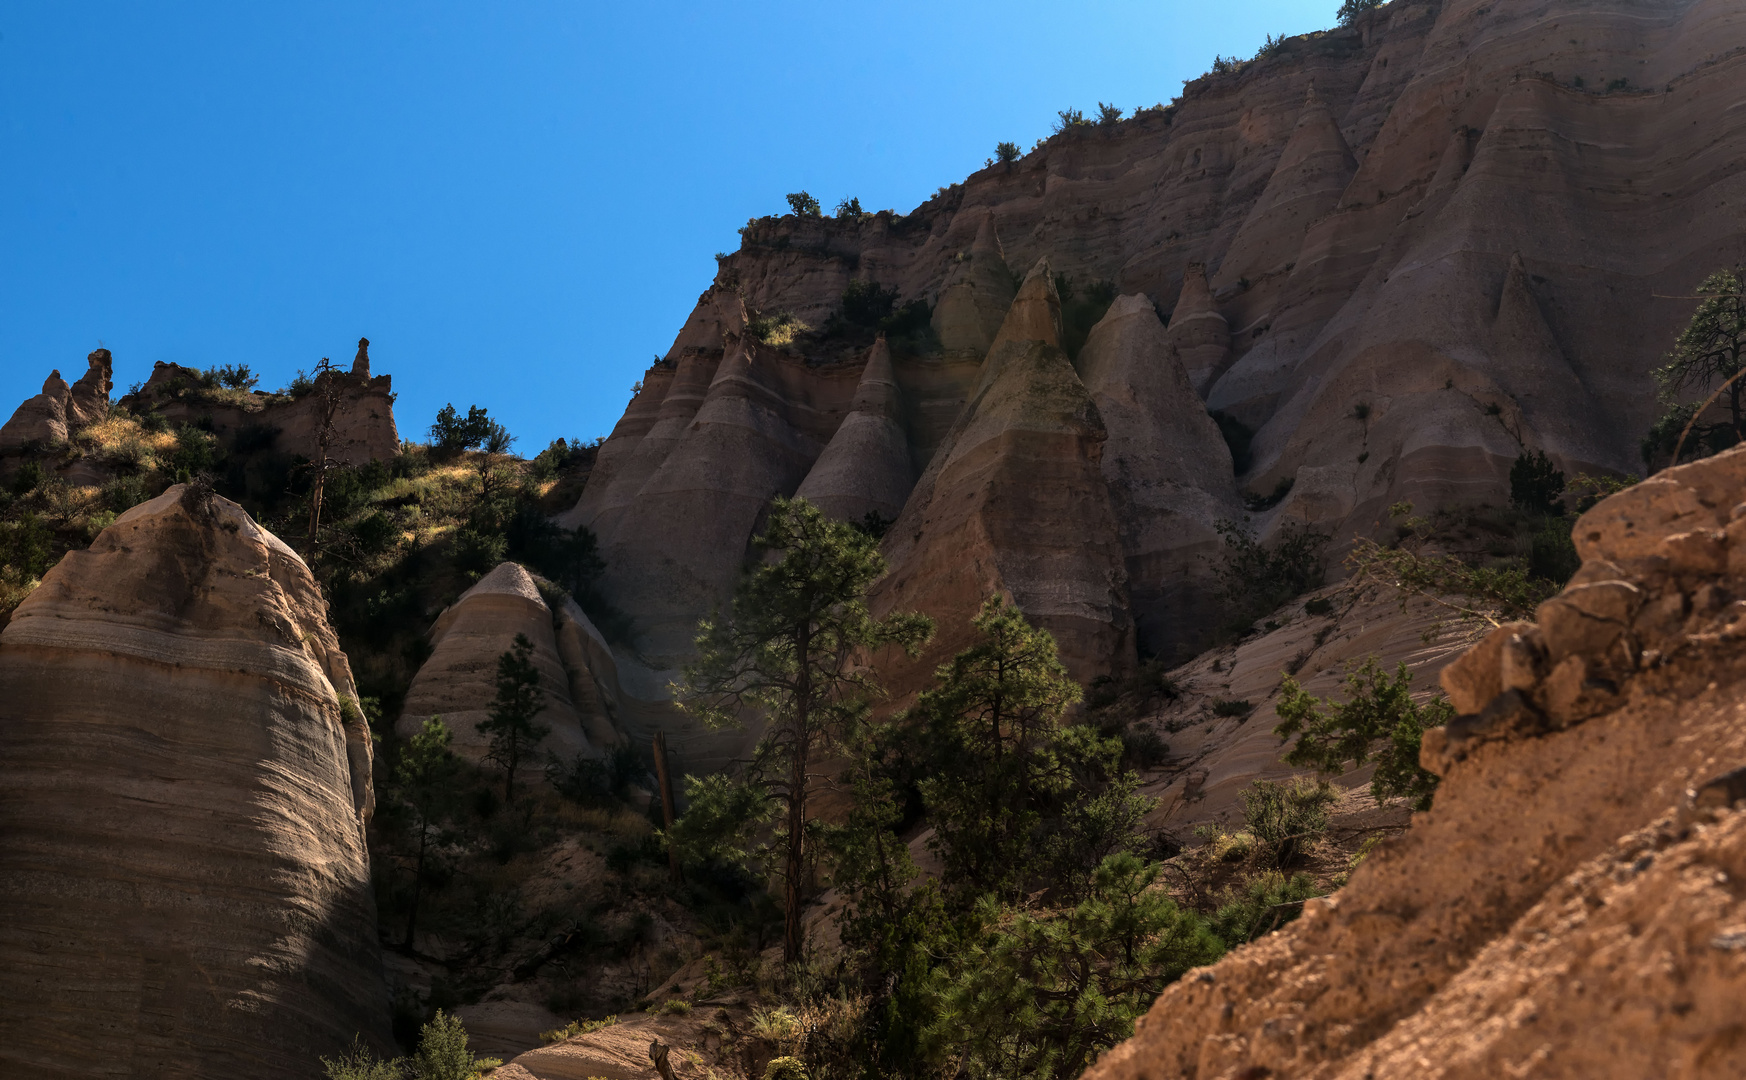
184, 783
459, 680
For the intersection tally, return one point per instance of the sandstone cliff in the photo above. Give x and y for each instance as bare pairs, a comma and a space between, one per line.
1399, 254
184, 785
1568, 906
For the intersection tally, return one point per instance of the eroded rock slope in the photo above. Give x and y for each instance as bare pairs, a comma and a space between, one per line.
184, 787
1571, 906
1399, 253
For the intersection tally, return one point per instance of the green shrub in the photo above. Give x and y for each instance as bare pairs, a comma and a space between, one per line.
850, 210
1237, 436
674, 1007
360, 1063
1263, 902
1227, 707
577, 1027
27, 546
1536, 485
1006, 152
443, 1053
1379, 722
1286, 818
1352, 10
1068, 119
29, 477
1108, 115
1320, 606
478, 552
803, 204
785, 1068
231, 377
1254, 580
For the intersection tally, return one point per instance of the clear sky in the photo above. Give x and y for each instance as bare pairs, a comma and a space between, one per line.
517, 203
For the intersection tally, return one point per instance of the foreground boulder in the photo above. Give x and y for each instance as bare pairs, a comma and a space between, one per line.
184, 786
1570, 906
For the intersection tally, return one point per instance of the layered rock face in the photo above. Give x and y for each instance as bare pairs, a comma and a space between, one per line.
1014, 502
1568, 907
1167, 469
184, 786
1400, 253
459, 680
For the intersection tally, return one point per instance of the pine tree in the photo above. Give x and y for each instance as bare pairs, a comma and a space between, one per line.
424, 782
511, 726
1709, 352
788, 651
999, 750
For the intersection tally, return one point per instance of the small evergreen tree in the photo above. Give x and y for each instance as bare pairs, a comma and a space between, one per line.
453, 433
1041, 994
511, 727
443, 1053
1006, 152
1353, 10
424, 782
788, 650
1536, 485
804, 204
1379, 722
1108, 115
1707, 353
850, 209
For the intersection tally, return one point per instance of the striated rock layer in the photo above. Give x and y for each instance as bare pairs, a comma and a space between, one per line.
1570, 905
184, 786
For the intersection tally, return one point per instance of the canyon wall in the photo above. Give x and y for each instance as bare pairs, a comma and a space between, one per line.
185, 780
1400, 253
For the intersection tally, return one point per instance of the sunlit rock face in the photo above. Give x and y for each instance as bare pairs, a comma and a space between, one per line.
184, 788
1398, 254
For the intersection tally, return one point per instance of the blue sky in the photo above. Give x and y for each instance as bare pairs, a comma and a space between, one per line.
517, 203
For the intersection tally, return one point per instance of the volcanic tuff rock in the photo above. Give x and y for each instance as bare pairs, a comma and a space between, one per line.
1436, 238
184, 785
363, 424
1014, 502
41, 419
459, 680
867, 468
1569, 906
1168, 471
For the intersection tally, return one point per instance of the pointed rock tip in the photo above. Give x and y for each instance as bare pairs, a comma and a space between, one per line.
1035, 314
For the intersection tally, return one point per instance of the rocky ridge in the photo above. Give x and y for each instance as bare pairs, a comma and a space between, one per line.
1568, 906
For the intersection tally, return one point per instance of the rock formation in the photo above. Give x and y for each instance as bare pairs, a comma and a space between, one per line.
361, 362
459, 680
1436, 239
1014, 502
184, 785
1198, 333
867, 468
89, 401
1567, 908
363, 423
41, 419
973, 301
1168, 470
